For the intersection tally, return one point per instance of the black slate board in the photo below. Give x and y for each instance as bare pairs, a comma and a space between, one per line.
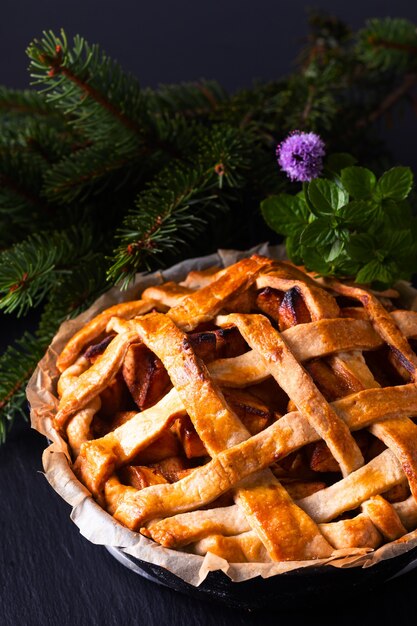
50, 574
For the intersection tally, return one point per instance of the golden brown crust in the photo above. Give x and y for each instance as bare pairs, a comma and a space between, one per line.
384, 324
79, 426
384, 517
99, 458
296, 382
169, 294
292, 535
407, 512
400, 435
96, 326
358, 532
307, 341
114, 490
284, 436
243, 548
217, 425
185, 528
201, 278
241, 455
94, 380
219, 428
319, 303
377, 476
70, 376
205, 303
406, 322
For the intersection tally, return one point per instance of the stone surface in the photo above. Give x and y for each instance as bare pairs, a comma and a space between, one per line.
50, 574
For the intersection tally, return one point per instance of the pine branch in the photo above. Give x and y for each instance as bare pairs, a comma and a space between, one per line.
69, 296
16, 365
82, 81
51, 139
23, 103
158, 167
328, 37
177, 204
191, 100
29, 269
378, 42
388, 44
409, 82
26, 152
28, 121
105, 105
21, 177
73, 292
92, 171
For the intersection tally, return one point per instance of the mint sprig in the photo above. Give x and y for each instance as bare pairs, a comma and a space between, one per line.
350, 224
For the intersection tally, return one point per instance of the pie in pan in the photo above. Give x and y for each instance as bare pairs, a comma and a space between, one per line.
252, 412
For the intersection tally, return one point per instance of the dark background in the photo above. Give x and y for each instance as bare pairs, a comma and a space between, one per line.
49, 574
163, 41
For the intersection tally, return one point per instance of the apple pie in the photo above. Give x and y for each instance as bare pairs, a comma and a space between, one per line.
254, 412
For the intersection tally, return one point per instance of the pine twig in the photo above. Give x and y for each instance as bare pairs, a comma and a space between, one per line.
56, 68
389, 101
27, 196
151, 168
16, 365
378, 42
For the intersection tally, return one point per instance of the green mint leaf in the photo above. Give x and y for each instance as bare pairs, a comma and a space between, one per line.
407, 263
345, 266
361, 247
413, 231
294, 249
317, 233
397, 214
398, 243
326, 197
359, 182
357, 213
336, 162
314, 260
375, 271
285, 214
396, 184
335, 251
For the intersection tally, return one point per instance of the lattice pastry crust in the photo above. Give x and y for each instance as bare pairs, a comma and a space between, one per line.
252, 412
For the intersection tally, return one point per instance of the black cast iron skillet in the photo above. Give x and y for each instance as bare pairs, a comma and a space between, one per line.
303, 587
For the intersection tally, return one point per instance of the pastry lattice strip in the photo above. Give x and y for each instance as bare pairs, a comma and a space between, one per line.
401, 434
284, 277
92, 330
398, 476
315, 339
389, 399
219, 428
186, 528
288, 434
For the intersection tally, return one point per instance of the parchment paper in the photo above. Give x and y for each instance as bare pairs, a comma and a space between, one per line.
101, 528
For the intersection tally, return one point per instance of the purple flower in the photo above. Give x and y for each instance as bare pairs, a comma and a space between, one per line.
301, 156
